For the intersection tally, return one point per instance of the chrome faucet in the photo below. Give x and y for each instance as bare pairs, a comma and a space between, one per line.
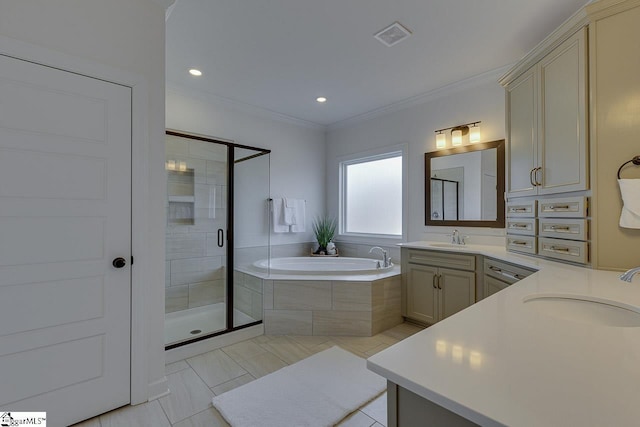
457, 239
628, 275
385, 257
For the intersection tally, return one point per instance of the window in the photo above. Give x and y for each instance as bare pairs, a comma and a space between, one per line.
372, 194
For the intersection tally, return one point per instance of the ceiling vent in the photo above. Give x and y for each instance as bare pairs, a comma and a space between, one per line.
393, 34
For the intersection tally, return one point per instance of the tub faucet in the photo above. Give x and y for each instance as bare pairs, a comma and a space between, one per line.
385, 257
628, 275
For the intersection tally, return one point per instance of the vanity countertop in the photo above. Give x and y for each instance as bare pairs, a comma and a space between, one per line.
504, 361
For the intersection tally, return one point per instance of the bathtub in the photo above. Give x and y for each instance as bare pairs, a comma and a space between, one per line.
321, 266
323, 295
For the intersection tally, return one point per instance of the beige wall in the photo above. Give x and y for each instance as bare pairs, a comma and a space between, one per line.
616, 95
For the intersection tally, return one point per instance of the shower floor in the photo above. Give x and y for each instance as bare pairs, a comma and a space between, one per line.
194, 322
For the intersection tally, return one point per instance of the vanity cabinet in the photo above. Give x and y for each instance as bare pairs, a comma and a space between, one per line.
547, 123
498, 275
436, 284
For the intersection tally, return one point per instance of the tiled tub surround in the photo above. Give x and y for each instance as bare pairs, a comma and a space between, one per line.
316, 305
247, 295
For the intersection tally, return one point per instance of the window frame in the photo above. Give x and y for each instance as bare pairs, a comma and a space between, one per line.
364, 157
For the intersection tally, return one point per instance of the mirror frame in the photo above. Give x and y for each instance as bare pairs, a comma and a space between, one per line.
499, 221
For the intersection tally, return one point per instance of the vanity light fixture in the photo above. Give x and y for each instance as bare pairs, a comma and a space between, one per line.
474, 133
457, 133
321, 99
456, 137
195, 72
441, 139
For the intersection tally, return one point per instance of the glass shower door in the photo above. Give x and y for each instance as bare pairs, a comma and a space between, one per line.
251, 231
196, 240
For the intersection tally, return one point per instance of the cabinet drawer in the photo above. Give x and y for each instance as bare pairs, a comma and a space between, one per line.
504, 271
526, 244
521, 226
573, 207
442, 259
566, 250
521, 209
573, 229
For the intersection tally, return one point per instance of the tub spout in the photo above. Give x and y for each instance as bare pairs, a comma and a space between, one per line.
385, 256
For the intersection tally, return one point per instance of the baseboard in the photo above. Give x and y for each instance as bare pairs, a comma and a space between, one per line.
158, 389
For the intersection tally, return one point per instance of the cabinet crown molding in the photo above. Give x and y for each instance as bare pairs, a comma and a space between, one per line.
585, 16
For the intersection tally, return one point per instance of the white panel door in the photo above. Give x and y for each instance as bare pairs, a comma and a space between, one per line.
65, 214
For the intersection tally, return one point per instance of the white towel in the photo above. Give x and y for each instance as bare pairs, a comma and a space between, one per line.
630, 190
277, 217
288, 211
298, 217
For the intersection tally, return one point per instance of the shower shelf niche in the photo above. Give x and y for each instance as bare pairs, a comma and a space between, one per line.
181, 197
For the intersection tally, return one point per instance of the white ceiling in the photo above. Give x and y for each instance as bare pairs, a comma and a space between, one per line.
282, 54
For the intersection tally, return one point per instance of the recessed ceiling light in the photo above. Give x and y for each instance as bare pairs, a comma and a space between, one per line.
321, 99
195, 72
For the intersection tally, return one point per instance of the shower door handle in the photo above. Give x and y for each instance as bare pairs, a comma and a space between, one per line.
220, 237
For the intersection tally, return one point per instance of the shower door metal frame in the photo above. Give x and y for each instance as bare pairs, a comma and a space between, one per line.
231, 146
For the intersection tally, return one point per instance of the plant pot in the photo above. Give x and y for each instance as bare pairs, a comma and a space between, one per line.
322, 250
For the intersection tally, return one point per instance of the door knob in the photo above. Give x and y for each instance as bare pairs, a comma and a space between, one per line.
119, 262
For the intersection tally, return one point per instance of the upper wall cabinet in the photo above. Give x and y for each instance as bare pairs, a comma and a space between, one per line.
547, 123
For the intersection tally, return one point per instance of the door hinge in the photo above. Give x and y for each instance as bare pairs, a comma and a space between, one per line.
131, 259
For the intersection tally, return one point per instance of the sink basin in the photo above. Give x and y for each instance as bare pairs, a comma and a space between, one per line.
584, 309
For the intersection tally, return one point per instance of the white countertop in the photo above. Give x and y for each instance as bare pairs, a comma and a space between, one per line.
503, 362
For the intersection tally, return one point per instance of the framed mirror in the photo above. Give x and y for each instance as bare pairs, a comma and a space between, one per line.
464, 186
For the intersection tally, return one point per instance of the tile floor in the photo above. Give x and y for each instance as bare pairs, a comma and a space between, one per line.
194, 381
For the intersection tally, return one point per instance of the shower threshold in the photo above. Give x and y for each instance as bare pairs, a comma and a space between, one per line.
191, 323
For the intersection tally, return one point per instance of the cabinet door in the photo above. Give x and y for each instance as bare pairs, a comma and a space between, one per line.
562, 133
491, 286
522, 135
421, 293
457, 291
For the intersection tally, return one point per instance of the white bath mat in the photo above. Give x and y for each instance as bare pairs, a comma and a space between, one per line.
318, 391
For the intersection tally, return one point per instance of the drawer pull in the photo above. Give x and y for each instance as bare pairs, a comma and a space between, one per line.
560, 229
520, 226
559, 249
519, 243
518, 210
557, 207
514, 276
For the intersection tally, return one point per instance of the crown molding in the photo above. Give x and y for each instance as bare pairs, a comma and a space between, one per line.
423, 98
576, 21
241, 106
471, 82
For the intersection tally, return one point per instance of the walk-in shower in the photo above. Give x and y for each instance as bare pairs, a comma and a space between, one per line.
216, 216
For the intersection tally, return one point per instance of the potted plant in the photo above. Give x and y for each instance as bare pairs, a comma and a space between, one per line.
324, 228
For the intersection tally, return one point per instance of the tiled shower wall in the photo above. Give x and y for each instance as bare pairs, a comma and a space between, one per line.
194, 274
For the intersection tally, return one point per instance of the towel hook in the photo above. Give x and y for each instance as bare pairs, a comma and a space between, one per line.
635, 161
